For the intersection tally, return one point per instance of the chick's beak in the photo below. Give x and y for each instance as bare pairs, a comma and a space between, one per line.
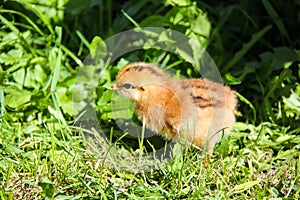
114, 87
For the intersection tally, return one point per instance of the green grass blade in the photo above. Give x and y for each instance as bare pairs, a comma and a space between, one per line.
278, 82
246, 101
2, 80
271, 11
109, 13
246, 47
9, 25
72, 55
269, 110
1, 105
83, 39
245, 186
13, 28
55, 72
55, 76
130, 19
56, 69
41, 15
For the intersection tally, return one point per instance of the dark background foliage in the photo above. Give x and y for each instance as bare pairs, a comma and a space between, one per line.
251, 42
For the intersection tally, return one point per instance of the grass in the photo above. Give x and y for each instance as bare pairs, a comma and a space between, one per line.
44, 154
45, 165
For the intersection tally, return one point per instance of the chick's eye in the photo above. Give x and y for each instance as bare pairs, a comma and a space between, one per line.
128, 86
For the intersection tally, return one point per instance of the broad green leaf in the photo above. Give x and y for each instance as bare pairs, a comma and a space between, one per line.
185, 55
265, 69
197, 49
165, 37
78, 92
86, 75
98, 48
74, 108
293, 102
11, 57
284, 138
16, 99
40, 75
201, 26
47, 186
283, 57
231, 80
177, 18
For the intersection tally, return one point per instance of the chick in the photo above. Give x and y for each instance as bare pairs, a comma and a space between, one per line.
191, 111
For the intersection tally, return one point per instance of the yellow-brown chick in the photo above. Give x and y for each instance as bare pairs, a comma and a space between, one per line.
194, 111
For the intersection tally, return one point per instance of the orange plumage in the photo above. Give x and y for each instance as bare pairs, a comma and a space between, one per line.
194, 111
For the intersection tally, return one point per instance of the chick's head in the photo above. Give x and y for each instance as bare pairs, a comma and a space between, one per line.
135, 79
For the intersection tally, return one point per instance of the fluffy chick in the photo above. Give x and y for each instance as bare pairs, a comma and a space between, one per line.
193, 111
